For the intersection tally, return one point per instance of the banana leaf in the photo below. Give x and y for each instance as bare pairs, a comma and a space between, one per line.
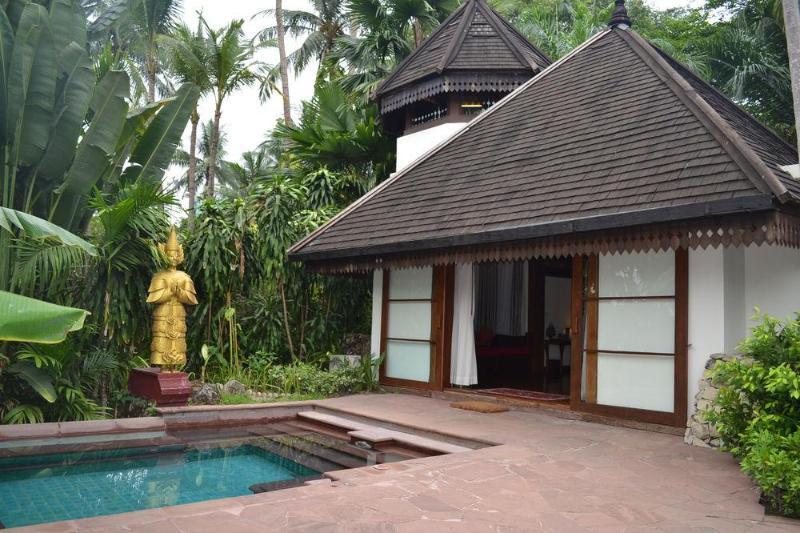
94, 153
6, 45
38, 111
38, 228
76, 81
39, 380
135, 124
68, 23
23, 54
153, 152
24, 319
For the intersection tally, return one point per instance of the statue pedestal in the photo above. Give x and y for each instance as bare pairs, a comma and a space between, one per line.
167, 389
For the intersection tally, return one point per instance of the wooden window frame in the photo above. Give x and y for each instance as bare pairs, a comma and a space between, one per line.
441, 329
584, 315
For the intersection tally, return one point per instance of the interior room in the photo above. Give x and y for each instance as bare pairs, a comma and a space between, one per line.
521, 323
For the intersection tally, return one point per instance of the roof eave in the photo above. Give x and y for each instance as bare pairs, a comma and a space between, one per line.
749, 204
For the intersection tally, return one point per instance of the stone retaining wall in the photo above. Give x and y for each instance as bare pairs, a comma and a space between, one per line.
698, 431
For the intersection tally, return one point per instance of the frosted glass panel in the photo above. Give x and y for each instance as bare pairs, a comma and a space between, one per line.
643, 274
410, 320
636, 326
408, 360
411, 284
639, 381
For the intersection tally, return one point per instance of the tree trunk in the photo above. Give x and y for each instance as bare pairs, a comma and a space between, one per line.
193, 167
418, 36
212, 150
284, 66
151, 68
791, 23
286, 320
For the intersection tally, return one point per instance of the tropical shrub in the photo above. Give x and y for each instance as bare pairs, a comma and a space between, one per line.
67, 135
757, 412
262, 373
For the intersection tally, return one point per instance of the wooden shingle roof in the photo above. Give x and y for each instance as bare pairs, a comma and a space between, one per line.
474, 49
613, 135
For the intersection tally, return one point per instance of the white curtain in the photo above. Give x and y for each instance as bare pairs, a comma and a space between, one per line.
463, 363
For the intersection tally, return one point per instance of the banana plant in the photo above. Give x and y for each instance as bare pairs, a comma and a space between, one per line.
63, 132
29, 320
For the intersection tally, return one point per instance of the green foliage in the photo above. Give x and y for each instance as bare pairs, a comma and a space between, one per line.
25, 319
305, 380
757, 412
72, 149
114, 288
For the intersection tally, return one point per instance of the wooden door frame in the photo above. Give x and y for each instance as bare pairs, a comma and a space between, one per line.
583, 266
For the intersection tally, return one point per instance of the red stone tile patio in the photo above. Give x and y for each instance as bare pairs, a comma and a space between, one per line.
548, 474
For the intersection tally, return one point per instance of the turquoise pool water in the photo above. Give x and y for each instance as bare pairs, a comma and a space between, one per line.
48, 488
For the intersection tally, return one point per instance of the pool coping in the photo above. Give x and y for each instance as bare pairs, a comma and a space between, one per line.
69, 434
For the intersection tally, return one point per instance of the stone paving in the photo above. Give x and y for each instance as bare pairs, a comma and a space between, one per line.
548, 474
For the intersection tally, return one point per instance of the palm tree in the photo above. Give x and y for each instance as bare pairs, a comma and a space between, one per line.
387, 32
230, 66
283, 61
791, 27
189, 62
151, 20
203, 160
326, 22
255, 165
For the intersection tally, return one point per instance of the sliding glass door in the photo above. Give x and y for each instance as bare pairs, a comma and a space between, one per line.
634, 335
408, 339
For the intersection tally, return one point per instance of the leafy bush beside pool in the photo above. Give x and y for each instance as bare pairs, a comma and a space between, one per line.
297, 380
757, 412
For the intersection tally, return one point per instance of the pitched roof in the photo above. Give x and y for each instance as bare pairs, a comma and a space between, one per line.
612, 135
473, 49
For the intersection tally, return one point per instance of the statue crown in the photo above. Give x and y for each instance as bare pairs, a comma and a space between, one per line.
173, 246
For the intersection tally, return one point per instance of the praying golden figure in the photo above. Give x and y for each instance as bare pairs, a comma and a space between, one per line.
170, 290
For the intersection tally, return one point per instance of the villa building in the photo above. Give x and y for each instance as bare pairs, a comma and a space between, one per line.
597, 233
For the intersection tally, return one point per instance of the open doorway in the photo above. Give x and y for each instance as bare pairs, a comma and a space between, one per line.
521, 323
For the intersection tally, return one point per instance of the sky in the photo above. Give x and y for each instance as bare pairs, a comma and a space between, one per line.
245, 120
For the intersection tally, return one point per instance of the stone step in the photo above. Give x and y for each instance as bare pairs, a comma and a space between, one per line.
378, 435
331, 420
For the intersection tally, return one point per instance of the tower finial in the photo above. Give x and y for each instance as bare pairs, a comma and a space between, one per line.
620, 18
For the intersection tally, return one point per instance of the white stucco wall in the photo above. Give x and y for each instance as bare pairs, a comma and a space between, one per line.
377, 308
706, 312
772, 281
410, 147
725, 286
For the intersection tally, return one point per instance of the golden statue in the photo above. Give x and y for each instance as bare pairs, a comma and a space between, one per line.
170, 290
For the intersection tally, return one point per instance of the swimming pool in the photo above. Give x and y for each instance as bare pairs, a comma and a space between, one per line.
68, 486
196, 465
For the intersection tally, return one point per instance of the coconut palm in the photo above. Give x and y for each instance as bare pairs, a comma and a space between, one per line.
749, 63
320, 27
387, 31
283, 61
189, 60
791, 18
152, 19
231, 65
254, 166
203, 160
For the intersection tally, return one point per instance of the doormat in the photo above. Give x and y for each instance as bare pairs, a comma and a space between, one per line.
526, 394
480, 407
